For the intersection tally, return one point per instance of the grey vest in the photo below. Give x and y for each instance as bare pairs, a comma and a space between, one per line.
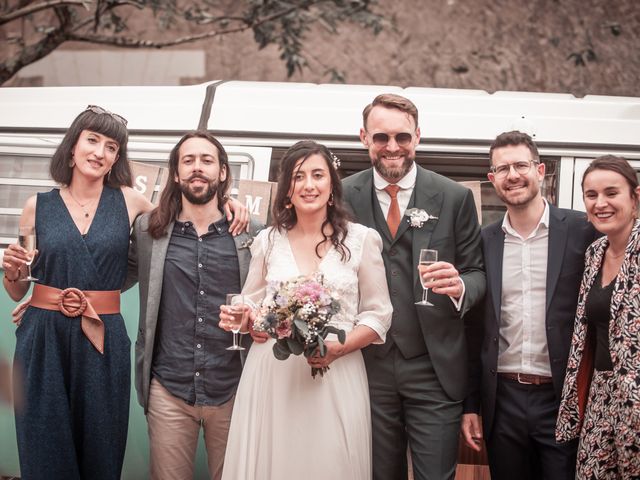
405, 331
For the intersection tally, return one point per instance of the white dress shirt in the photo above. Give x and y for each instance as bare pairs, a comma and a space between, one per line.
523, 340
406, 184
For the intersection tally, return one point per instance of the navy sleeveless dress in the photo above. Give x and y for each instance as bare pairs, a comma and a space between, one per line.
72, 423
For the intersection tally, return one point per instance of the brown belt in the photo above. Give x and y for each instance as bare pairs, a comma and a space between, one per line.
73, 302
527, 378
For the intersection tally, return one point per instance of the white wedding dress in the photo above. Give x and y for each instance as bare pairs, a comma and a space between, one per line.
286, 425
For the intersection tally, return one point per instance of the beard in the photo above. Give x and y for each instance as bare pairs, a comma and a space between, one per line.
521, 200
393, 173
199, 195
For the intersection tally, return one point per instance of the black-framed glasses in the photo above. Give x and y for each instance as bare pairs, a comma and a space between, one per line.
521, 168
103, 111
381, 139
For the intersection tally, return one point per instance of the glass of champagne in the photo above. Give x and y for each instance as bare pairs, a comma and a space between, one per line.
27, 240
237, 309
427, 257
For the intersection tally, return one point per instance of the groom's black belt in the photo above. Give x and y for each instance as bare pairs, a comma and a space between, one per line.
526, 378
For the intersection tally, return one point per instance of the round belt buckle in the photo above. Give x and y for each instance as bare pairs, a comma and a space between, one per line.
72, 302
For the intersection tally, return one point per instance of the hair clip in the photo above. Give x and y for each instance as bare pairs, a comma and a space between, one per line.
335, 160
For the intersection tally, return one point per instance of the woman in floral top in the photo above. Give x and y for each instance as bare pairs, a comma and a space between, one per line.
601, 396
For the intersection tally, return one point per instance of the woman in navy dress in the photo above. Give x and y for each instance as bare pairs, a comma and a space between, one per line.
72, 350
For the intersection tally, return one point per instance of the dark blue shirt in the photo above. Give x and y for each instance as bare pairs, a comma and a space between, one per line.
190, 357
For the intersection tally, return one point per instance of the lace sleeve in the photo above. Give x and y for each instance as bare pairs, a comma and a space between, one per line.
374, 304
255, 285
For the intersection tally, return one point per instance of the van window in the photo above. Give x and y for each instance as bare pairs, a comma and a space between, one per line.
458, 167
21, 177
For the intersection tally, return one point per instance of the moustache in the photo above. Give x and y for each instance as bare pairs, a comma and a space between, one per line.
199, 177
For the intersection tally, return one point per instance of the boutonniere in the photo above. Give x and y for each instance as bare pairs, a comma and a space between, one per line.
417, 217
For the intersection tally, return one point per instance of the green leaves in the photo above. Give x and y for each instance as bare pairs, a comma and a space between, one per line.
282, 23
281, 349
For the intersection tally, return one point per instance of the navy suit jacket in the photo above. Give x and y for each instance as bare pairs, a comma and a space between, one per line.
569, 236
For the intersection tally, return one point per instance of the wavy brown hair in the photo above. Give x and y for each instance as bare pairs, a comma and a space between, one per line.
337, 215
171, 197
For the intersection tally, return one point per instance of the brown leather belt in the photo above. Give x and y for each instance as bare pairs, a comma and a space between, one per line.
526, 378
73, 302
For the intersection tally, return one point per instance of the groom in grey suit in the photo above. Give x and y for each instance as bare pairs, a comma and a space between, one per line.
417, 379
186, 261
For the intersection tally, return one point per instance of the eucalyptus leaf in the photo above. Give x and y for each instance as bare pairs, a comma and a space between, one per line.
322, 348
296, 348
281, 350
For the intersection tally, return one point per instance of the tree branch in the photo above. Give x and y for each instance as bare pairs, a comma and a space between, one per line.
31, 53
33, 8
128, 42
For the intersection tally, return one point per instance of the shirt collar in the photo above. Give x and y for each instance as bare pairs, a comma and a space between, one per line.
544, 221
221, 226
406, 182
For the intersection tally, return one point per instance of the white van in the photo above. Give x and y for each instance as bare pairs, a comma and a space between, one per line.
258, 121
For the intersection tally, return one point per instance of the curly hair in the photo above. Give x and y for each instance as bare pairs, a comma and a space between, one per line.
338, 217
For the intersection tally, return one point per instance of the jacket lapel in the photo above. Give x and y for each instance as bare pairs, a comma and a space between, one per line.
558, 232
364, 202
427, 199
494, 251
159, 248
244, 255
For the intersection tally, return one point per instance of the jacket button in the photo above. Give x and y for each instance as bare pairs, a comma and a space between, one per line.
392, 252
394, 273
495, 339
493, 372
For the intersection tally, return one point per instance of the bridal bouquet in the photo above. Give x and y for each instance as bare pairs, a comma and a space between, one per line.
297, 315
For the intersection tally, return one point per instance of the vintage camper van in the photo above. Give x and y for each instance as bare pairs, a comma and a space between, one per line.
258, 121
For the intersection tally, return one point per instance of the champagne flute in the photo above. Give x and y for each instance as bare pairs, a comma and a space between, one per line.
238, 311
27, 240
427, 257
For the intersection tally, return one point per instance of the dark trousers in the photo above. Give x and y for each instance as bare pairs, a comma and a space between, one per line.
408, 403
72, 421
522, 441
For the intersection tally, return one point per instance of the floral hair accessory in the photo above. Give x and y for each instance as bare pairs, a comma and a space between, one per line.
417, 217
335, 160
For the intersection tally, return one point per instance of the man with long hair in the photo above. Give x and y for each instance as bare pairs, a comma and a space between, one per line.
186, 261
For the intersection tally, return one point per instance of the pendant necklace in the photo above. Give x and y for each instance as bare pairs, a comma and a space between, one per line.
82, 205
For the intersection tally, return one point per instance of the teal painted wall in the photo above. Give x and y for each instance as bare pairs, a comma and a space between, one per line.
137, 454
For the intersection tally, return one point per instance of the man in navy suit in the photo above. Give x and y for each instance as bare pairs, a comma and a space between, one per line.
520, 336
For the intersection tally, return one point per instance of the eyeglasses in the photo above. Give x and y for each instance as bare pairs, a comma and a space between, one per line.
521, 168
103, 111
403, 139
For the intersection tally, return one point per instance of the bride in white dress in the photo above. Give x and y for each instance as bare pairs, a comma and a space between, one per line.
285, 424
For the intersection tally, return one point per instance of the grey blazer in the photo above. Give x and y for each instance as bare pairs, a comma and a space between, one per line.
146, 266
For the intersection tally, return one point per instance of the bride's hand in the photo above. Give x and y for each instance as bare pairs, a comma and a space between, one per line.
258, 337
334, 351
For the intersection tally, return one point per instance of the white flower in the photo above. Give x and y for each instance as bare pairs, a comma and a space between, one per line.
417, 217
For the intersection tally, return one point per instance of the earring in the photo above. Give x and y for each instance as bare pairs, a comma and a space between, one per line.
287, 204
108, 175
72, 162
330, 202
